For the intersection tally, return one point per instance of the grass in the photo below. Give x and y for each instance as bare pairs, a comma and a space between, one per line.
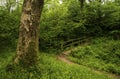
49, 67
102, 54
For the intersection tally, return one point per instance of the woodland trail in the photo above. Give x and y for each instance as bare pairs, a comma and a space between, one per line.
63, 57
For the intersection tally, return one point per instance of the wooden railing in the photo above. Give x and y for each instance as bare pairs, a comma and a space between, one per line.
74, 42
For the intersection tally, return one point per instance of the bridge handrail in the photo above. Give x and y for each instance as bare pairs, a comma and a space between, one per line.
72, 42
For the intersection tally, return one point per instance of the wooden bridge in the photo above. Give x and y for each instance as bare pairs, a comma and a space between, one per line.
69, 44
74, 42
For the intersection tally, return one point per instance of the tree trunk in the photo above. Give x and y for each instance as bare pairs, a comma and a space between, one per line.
28, 44
82, 3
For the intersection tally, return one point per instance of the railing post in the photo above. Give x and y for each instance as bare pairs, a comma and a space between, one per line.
62, 43
71, 44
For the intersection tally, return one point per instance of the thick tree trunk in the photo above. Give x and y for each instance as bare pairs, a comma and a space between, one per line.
28, 44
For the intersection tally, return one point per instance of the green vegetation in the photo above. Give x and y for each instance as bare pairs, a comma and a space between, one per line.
49, 68
101, 54
71, 22
8, 30
61, 22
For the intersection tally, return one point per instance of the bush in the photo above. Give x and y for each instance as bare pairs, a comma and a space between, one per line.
102, 55
8, 29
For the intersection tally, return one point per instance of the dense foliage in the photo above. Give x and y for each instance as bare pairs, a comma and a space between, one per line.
96, 19
8, 29
102, 54
66, 21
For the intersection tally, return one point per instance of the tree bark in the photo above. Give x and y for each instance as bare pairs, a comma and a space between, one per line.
28, 44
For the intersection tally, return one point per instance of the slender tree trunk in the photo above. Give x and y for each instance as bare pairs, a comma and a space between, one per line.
8, 5
82, 3
27, 48
90, 1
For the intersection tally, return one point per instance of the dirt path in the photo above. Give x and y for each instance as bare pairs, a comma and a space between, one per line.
63, 57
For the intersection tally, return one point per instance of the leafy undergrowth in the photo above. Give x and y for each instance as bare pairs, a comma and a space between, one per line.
49, 68
102, 54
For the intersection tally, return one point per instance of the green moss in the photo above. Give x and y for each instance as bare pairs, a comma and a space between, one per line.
29, 58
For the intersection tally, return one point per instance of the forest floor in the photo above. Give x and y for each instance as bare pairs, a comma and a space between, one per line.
63, 57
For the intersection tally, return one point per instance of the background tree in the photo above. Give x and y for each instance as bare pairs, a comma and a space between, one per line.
82, 3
